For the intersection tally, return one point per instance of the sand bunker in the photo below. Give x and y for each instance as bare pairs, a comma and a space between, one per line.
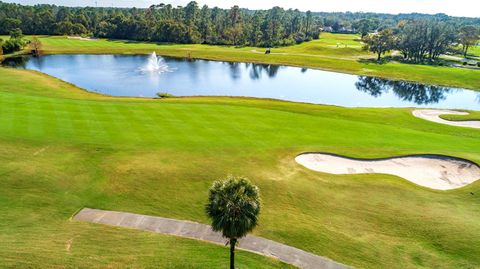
82, 38
431, 171
434, 115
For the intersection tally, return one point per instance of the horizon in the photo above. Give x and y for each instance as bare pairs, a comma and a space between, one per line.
458, 8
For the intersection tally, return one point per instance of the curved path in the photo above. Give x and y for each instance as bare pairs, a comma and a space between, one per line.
203, 232
434, 115
431, 171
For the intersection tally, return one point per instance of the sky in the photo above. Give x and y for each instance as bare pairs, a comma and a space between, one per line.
468, 8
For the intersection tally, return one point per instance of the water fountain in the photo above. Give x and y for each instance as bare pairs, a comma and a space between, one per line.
156, 64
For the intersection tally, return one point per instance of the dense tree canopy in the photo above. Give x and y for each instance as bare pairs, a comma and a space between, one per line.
468, 37
425, 38
420, 40
165, 23
195, 24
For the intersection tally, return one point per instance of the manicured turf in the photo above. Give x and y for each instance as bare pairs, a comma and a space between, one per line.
474, 115
62, 149
336, 52
475, 51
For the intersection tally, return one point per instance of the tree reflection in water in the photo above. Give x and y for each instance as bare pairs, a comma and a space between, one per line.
417, 93
256, 70
17, 62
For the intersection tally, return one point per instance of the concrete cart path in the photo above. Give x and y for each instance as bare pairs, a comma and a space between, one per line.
434, 115
203, 232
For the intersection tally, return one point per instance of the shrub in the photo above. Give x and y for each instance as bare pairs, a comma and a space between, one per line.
464, 63
164, 95
299, 38
288, 42
16, 33
12, 45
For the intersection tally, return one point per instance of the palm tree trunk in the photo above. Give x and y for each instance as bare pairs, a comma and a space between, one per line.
233, 242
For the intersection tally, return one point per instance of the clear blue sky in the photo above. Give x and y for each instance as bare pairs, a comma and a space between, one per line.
469, 8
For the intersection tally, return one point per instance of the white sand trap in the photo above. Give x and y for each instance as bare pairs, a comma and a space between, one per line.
434, 115
431, 171
82, 38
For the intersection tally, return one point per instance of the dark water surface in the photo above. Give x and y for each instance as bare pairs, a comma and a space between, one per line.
122, 75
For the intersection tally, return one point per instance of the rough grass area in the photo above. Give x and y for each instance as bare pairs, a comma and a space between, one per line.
62, 149
335, 52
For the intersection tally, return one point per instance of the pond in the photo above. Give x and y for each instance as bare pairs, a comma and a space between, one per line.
145, 76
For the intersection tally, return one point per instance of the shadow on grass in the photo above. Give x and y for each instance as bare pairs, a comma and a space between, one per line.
374, 61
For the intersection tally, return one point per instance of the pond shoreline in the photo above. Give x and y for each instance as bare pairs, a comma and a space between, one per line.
120, 75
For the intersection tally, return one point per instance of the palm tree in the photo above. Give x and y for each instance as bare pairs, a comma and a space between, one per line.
233, 205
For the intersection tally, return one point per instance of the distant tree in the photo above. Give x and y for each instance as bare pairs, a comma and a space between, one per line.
10, 24
440, 36
105, 29
79, 29
337, 25
411, 40
171, 31
233, 205
308, 22
205, 26
235, 30
255, 33
273, 27
468, 36
16, 33
12, 45
380, 43
15, 43
365, 26
191, 14
419, 40
35, 45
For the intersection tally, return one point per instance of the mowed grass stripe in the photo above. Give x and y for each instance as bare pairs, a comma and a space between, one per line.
367, 221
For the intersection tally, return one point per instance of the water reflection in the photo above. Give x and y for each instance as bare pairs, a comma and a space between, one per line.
120, 76
16, 62
235, 71
256, 70
412, 92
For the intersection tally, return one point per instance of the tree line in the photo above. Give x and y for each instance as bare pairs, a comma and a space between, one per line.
420, 40
195, 24
165, 23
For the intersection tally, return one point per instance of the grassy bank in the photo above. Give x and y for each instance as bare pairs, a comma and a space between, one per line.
334, 52
62, 148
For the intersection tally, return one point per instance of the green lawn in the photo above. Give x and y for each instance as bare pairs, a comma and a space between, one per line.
475, 51
474, 115
335, 52
62, 148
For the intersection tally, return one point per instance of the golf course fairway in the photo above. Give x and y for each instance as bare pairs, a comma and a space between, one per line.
63, 149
